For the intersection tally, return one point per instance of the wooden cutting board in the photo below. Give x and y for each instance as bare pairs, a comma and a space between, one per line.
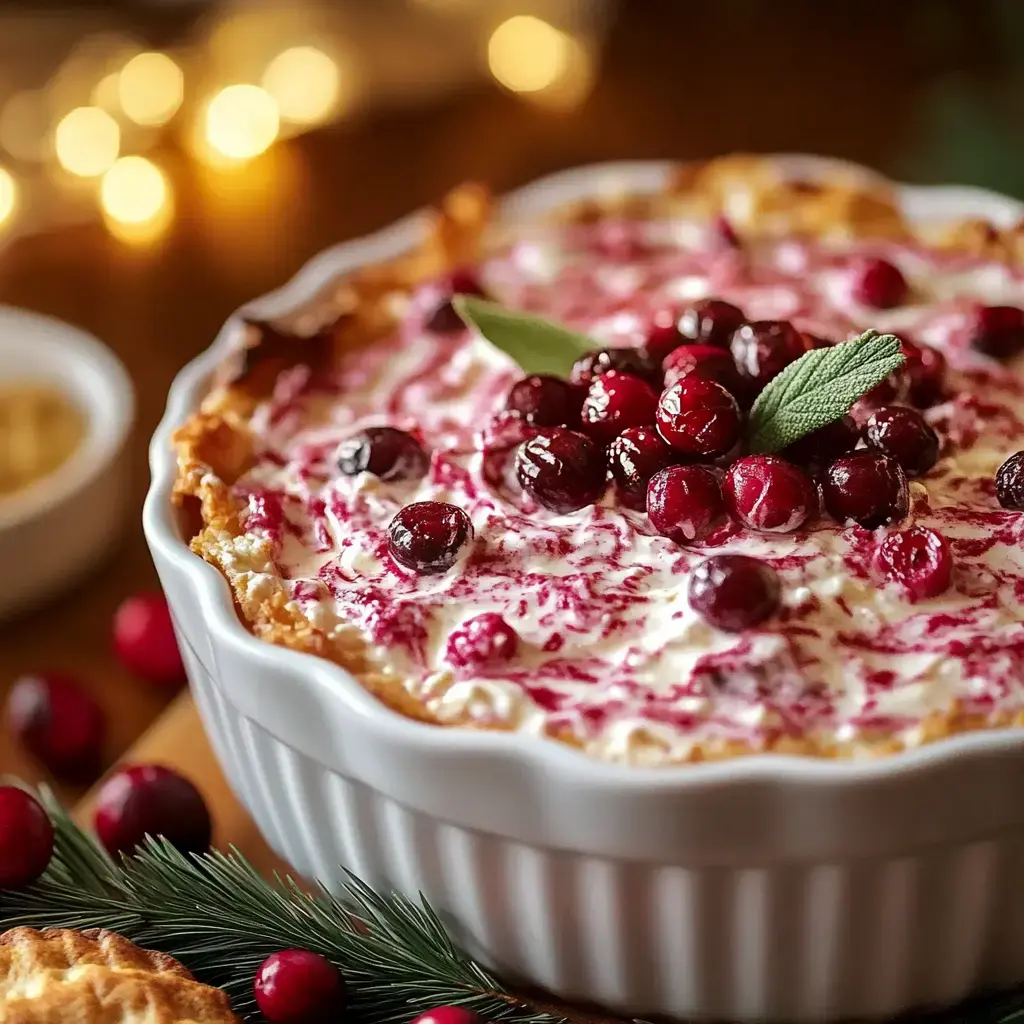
176, 739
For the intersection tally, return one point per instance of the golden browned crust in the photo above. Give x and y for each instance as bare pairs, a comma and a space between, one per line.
215, 447
59, 976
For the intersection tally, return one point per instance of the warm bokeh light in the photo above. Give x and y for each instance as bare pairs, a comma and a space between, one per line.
573, 85
526, 54
241, 121
25, 125
134, 190
8, 195
107, 92
87, 141
150, 88
305, 83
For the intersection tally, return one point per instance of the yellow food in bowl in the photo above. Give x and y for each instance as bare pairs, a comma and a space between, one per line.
40, 428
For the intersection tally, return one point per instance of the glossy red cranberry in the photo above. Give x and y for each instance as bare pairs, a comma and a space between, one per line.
615, 401
634, 457
763, 349
902, 432
998, 331
148, 799
485, 639
59, 723
867, 488
662, 337
545, 401
820, 447
685, 502
769, 494
562, 470
710, 322
919, 560
386, 452
144, 639
295, 986
448, 1015
444, 319
624, 360
926, 370
1010, 482
429, 536
734, 592
699, 417
878, 283
702, 361
26, 838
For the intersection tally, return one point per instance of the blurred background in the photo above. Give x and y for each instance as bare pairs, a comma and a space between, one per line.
163, 161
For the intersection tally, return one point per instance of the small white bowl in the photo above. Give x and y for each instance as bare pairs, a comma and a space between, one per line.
60, 526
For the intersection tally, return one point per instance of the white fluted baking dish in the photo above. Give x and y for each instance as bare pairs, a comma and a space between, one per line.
760, 888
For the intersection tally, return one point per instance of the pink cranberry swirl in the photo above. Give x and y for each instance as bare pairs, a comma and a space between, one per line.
585, 631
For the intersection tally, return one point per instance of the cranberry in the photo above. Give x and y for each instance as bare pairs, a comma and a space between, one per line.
428, 536
624, 360
818, 448
868, 488
444, 319
685, 502
149, 799
545, 401
734, 592
295, 986
893, 389
812, 342
767, 493
26, 838
448, 1015
634, 457
144, 639
59, 723
919, 560
711, 322
485, 639
763, 349
662, 337
903, 433
702, 361
926, 369
615, 401
386, 452
699, 417
876, 282
1010, 482
564, 471
998, 331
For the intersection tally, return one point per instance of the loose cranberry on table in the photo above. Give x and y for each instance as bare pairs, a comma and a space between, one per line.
59, 723
878, 283
926, 370
562, 470
545, 401
919, 560
485, 639
624, 360
296, 986
867, 488
1010, 482
702, 361
903, 433
614, 401
763, 349
429, 536
634, 457
734, 592
444, 319
820, 447
144, 639
448, 1015
769, 494
149, 799
710, 322
386, 452
26, 838
997, 331
699, 417
685, 503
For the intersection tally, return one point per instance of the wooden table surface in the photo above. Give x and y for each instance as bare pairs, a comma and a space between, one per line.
923, 88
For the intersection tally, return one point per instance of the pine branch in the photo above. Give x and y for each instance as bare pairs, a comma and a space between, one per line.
222, 919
